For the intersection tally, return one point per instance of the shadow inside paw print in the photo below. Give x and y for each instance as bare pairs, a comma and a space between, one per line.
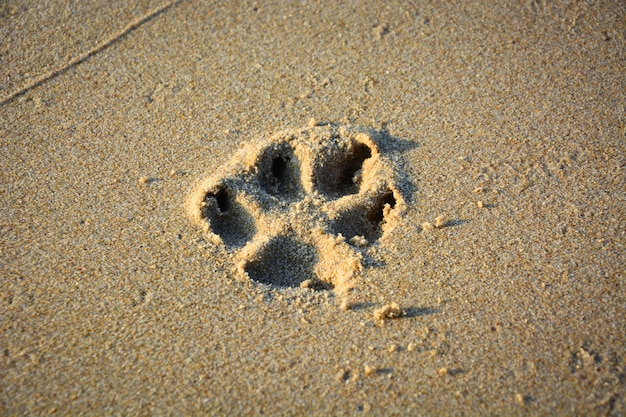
279, 172
228, 219
284, 261
339, 172
362, 225
301, 208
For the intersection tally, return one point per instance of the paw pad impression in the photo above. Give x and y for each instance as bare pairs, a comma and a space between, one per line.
300, 208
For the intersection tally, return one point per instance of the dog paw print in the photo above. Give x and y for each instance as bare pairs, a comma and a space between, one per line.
303, 207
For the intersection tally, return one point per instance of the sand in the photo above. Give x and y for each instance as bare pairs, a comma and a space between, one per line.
296, 208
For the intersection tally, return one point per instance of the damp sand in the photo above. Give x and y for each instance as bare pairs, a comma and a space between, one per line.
312, 209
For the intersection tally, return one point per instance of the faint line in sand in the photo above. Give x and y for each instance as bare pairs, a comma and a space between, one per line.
134, 24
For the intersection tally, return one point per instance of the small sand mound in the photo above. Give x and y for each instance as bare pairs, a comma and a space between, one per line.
389, 311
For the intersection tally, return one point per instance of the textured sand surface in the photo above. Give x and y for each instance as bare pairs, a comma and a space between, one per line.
507, 132
41, 38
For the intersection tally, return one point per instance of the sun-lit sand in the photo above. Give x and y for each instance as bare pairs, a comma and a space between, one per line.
300, 208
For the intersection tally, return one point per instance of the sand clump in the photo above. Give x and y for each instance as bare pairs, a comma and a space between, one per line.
388, 311
369, 370
300, 208
441, 221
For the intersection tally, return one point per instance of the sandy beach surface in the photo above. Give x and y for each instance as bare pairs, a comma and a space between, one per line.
300, 208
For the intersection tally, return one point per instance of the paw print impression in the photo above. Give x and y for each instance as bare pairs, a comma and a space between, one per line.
303, 207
